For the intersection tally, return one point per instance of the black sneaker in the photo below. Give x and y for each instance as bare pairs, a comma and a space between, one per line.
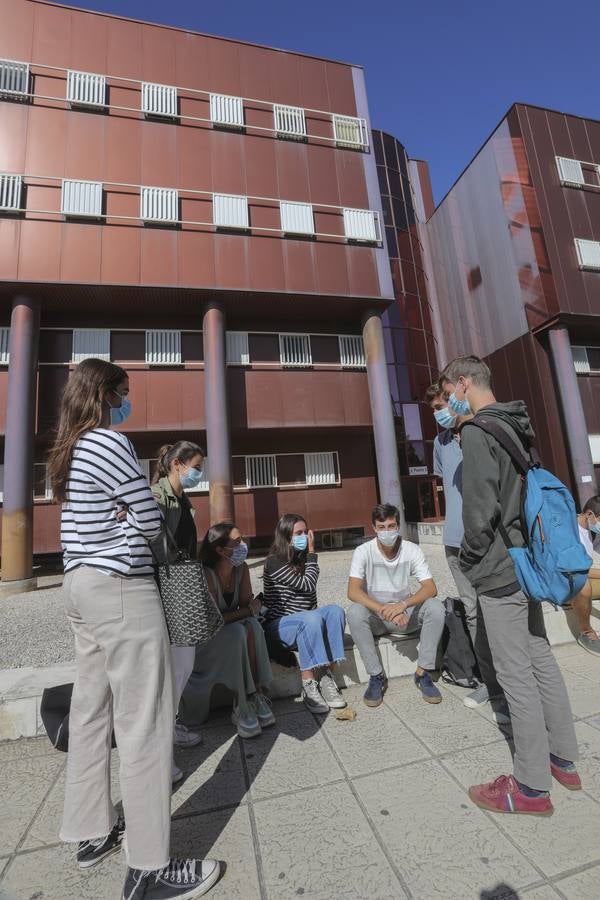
377, 687
182, 879
91, 852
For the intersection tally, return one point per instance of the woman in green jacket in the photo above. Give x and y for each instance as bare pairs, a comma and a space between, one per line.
179, 469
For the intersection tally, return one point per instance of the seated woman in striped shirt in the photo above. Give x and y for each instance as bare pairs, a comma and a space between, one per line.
290, 596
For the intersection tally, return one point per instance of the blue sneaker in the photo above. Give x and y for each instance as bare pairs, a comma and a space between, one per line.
373, 695
428, 688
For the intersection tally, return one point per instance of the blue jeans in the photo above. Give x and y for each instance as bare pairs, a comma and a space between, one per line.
317, 634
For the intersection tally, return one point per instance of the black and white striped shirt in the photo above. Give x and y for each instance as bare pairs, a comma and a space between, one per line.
105, 475
289, 590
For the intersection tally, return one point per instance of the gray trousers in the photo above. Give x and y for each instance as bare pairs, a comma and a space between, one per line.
365, 625
475, 623
532, 682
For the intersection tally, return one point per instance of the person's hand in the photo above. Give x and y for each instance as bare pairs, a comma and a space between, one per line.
122, 512
389, 611
311, 542
255, 606
401, 620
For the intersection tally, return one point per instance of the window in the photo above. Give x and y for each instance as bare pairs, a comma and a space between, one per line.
91, 342
230, 211
296, 218
159, 205
569, 171
362, 225
10, 192
4, 346
588, 254
289, 121
593, 354
159, 100
261, 471
294, 350
321, 468
41, 482
81, 198
163, 348
238, 353
352, 351
412, 422
350, 132
14, 78
85, 89
225, 110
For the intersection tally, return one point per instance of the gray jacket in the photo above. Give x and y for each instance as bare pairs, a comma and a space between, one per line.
170, 507
492, 494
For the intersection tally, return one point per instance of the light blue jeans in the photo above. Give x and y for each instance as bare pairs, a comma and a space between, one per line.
317, 634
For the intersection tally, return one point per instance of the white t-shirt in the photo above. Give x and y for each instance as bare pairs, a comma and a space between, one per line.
585, 536
387, 580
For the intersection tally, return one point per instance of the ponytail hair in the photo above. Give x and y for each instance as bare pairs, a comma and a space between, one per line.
182, 451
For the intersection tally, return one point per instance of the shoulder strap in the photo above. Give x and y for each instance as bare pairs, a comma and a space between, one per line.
518, 456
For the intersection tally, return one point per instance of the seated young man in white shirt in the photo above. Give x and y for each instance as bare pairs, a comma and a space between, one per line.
589, 531
382, 603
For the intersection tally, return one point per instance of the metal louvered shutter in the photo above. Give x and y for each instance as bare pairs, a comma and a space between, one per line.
569, 170
352, 351
10, 192
296, 218
226, 110
237, 348
91, 342
86, 89
159, 100
320, 468
230, 211
81, 198
350, 131
580, 360
159, 204
361, 225
289, 120
163, 347
14, 78
261, 471
294, 350
588, 253
4, 346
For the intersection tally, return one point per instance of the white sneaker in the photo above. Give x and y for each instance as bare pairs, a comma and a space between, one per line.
183, 737
312, 698
246, 722
330, 692
262, 708
176, 774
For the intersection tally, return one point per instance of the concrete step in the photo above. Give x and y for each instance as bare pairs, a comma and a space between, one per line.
21, 689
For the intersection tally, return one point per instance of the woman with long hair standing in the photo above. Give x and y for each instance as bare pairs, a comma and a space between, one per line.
179, 468
290, 589
123, 678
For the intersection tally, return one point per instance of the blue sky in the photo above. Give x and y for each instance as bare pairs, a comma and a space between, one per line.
440, 74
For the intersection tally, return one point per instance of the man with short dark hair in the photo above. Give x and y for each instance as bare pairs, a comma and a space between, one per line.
540, 712
382, 603
589, 531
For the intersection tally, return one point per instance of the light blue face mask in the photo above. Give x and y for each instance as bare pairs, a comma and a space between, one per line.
460, 407
300, 542
191, 479
118, 414
444, 418
595, 527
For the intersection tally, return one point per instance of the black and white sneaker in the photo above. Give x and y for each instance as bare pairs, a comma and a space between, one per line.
182, 879
91, 852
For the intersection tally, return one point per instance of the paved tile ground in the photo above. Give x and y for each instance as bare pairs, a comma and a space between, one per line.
374, 809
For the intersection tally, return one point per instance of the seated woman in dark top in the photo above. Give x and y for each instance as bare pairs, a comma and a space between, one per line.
290, 596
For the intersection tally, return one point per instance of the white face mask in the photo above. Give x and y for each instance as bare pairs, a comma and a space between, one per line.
388, 538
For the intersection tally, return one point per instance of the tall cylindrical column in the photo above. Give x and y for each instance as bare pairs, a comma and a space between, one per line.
217, 415
575, 427
17, 513
386, 450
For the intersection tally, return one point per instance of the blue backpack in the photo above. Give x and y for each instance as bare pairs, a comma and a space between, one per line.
553, 565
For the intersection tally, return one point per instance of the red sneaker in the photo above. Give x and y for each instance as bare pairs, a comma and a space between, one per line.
569, 778
504, 796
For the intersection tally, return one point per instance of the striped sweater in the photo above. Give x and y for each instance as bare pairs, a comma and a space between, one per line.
105, 476
289, 590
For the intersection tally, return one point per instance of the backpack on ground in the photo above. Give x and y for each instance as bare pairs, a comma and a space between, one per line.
459, 665
553, 565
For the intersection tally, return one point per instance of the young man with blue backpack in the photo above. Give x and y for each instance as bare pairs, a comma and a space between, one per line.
520, 547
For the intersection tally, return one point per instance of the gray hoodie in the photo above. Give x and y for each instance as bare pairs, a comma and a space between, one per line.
492, 494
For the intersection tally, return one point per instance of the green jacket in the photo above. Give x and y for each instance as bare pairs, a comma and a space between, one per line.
169, 505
